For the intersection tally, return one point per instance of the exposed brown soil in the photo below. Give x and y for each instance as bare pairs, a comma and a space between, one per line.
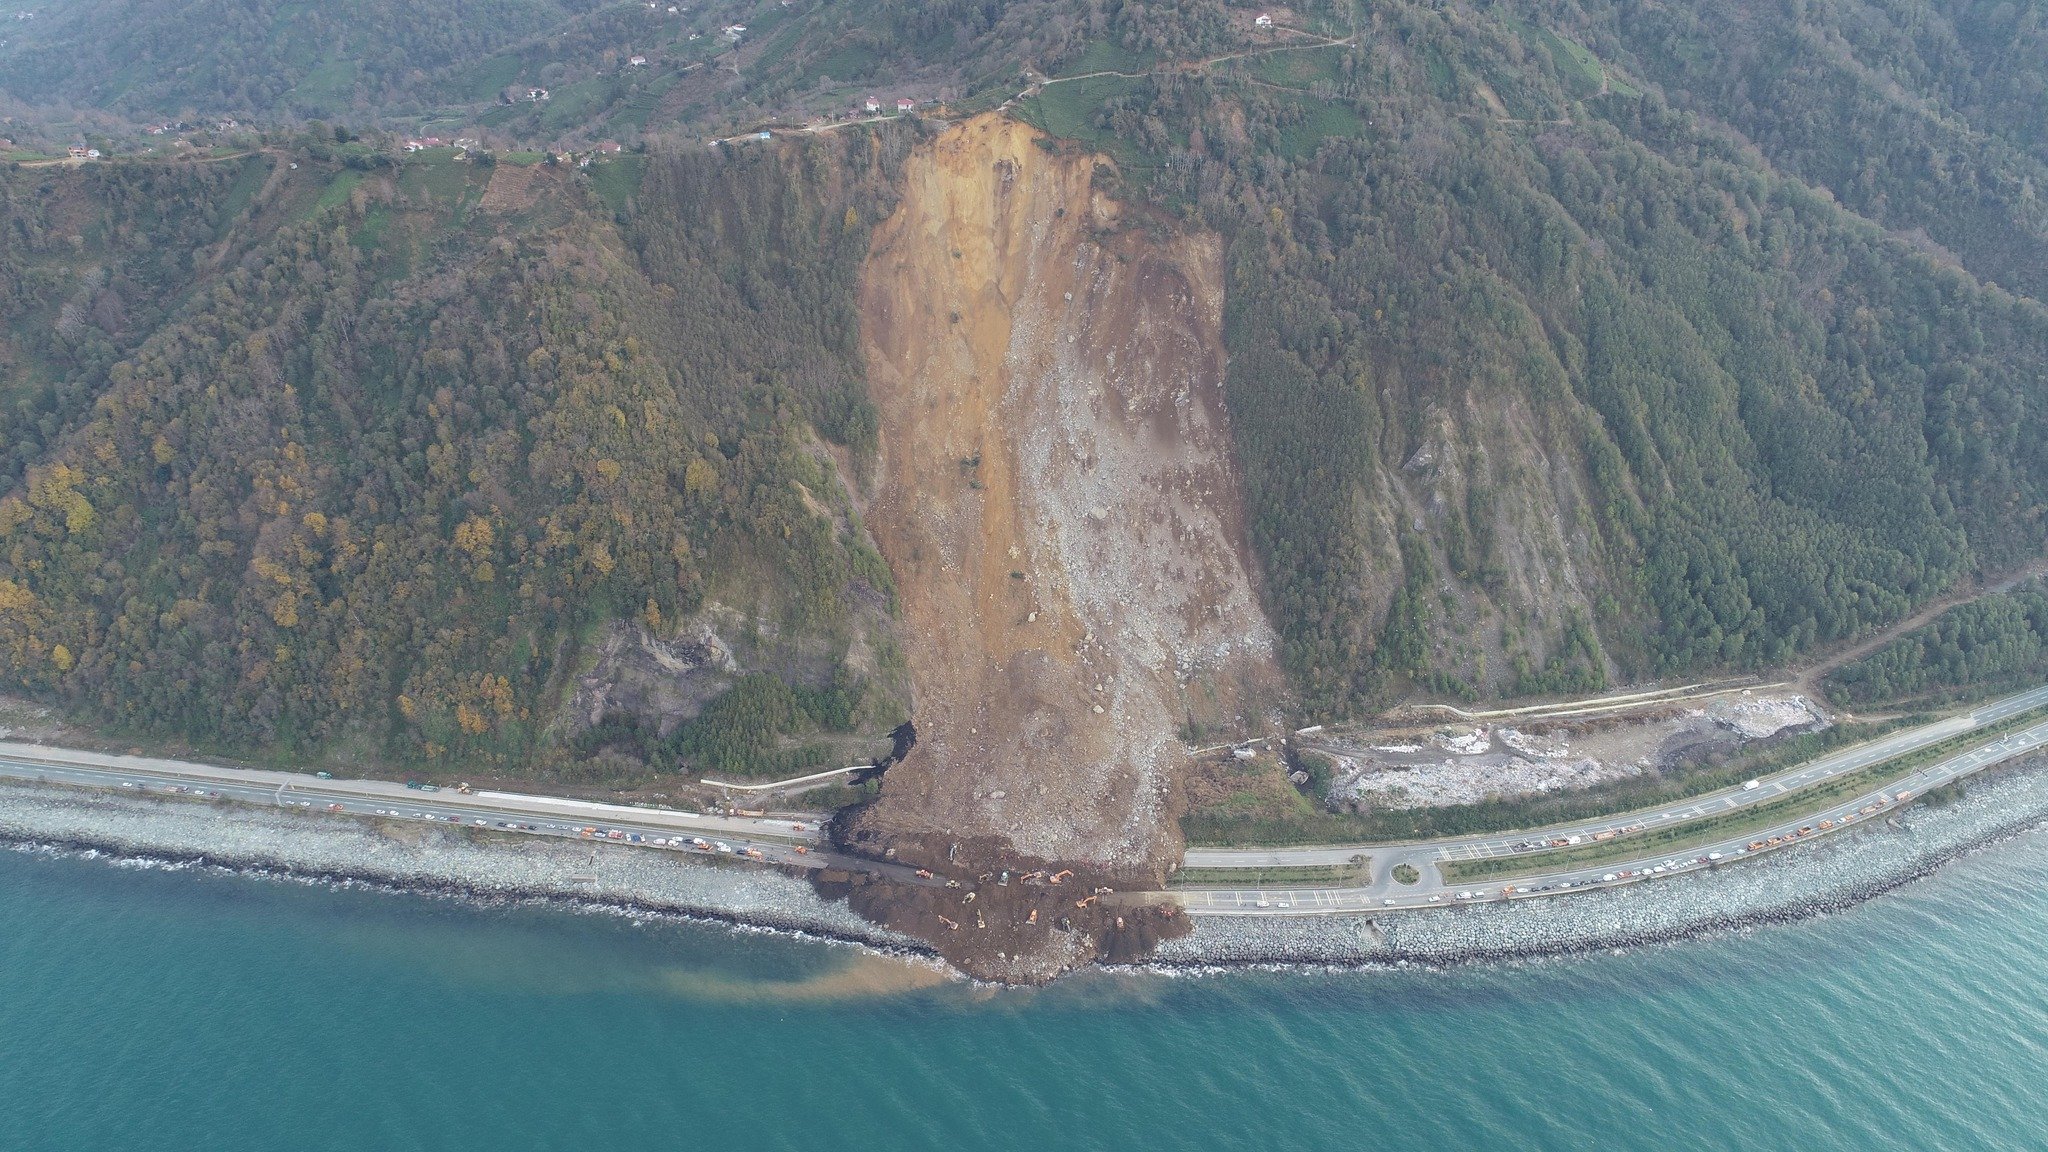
1057, 501
510, 190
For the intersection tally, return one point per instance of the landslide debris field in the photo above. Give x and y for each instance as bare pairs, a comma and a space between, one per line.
1058, 504
1449, 764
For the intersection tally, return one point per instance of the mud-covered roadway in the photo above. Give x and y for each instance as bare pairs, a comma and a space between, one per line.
999, 916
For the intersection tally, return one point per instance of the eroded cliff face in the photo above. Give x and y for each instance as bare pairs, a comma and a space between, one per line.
1058, 504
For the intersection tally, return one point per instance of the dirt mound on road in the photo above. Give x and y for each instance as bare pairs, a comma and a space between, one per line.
1058, 503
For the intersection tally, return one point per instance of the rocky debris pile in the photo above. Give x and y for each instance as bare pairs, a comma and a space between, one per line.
1832, 873
1761, 717
1549, 746
1467, 781
999, 916
1467, 764
1470, 742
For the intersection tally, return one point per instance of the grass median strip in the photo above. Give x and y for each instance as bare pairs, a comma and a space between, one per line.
1358, 871
1710, 829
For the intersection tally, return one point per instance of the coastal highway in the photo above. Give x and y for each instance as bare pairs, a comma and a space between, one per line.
1769, 788
1386, 894
776, 839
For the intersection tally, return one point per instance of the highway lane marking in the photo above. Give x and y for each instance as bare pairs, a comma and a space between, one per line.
1847, 815
196, 785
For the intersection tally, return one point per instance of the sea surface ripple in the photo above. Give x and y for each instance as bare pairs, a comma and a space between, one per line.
188, 1008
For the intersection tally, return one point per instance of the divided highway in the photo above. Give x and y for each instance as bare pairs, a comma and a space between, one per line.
791, 841
798, 841
1383, 892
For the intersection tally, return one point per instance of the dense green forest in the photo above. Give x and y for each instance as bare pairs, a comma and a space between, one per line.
371, 486
1996, 642
90, 264
1928, 118
1788, 425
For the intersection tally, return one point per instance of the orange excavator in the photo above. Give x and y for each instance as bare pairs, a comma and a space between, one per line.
1061, 875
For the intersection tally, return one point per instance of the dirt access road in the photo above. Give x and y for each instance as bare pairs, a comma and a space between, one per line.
1809, 679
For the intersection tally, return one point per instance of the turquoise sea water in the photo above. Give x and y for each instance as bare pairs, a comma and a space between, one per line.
191, 1010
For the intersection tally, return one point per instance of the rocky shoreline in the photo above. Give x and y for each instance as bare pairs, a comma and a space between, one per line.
1833, 874
429, 860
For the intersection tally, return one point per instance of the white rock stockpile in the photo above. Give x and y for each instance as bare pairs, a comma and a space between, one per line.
1470, 763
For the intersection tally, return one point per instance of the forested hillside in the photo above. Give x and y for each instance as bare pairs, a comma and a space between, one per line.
2000, 641
371, 486
1568, 342
1929, 118
1542, 377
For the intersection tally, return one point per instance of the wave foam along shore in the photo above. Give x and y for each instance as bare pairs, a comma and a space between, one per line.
1832, 874
428, 859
